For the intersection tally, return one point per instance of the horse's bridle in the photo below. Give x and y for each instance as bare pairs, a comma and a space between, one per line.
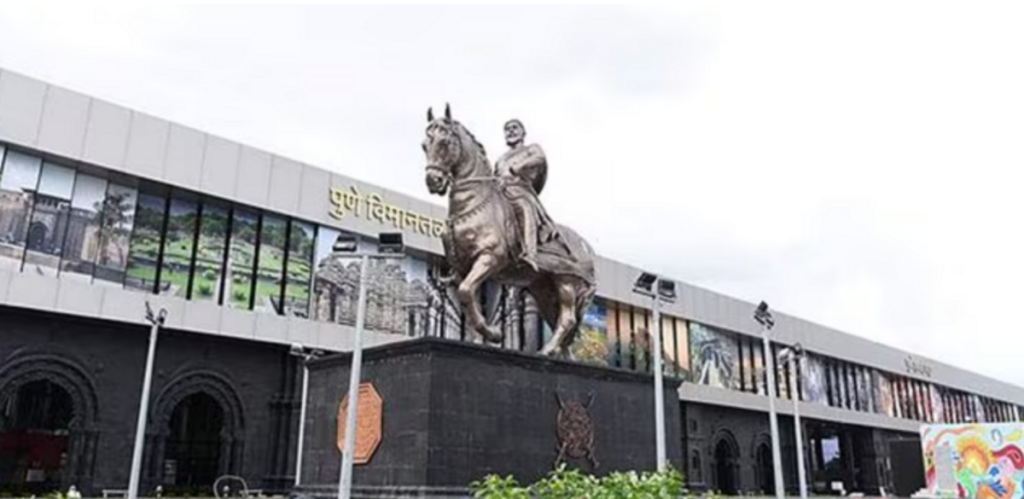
468, 180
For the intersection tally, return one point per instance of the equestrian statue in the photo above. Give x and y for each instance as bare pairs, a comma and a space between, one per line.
498, 230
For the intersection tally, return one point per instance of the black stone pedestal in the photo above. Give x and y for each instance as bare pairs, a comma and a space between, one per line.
455, 412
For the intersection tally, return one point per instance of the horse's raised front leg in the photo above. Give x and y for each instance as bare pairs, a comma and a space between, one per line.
566, 293
484, 267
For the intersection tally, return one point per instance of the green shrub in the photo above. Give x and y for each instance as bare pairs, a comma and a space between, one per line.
205, 289
572, 484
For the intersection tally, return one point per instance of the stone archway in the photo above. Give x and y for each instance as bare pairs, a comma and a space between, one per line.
28, 367
764, 464
221, 391
725, 456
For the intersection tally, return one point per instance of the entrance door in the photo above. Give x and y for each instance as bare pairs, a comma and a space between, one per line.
725, 467
34, 427
765, 470
192, 462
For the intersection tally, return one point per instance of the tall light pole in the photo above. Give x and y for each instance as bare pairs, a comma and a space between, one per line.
389, 245
794, 357
645, 285
156, 321
299, 351
764, 317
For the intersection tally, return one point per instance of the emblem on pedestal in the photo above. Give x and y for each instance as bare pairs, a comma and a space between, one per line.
369, 419
575, 431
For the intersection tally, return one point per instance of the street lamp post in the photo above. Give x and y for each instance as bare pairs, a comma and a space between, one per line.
764, 317
795, 361
665, 290
156, 321
305, 356
389, 245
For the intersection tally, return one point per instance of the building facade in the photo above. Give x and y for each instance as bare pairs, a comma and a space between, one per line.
104, 208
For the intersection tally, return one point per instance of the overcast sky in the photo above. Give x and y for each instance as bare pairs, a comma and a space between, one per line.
855, 165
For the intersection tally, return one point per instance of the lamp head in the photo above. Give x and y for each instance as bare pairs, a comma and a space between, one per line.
390, 243
763, 316
345, 243
645, 283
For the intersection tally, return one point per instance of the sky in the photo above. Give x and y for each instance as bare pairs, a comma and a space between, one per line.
854, 164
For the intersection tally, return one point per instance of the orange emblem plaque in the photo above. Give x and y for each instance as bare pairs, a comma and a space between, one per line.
369, 423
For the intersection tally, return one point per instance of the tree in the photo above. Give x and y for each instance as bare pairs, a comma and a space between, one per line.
114, 215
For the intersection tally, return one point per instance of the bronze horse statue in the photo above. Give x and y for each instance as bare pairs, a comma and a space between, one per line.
482, 242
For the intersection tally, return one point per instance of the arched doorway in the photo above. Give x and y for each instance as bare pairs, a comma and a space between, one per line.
725, 468
48, 412
193, 444
37, 236
35, 422
196, 434
765, 469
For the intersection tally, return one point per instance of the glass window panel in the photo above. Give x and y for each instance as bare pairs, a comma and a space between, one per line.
117, 219
241, 258
270, 273
759, 372
614, 355
743, 349
885, 389
641, 340
781, 373
179, 243
49, 221
668, 349
82, 239
682, 349
591, 345
626, 337
208, 270
301, 241
17, 193
815, 381
146, 240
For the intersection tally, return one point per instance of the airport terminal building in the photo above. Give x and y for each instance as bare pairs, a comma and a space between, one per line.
104, 208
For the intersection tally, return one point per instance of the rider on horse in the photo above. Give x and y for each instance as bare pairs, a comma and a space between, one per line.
523, 171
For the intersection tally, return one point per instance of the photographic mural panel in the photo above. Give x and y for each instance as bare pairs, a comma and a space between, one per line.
241, 258
714, 357
591, 347
82, 238
301, 241
862, 389
211, 246
814, 380
886, 395
938, 410
179, 244
270, 264
146, 242
641, 340
758, 373
117, 220
49, 221
625, 328
668, 347
399, 297
682, 357
18, 183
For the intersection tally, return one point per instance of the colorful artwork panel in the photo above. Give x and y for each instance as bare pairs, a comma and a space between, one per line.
974, 460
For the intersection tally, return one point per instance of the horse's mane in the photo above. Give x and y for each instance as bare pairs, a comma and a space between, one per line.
479, 146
